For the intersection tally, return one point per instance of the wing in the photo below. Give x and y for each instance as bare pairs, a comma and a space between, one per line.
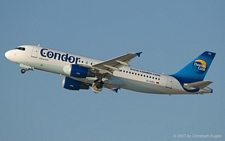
114, 64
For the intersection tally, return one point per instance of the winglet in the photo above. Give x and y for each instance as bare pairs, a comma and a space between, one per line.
138, 54
116, 89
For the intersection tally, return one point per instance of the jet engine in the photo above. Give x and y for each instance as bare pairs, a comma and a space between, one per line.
71, 84
97, 86
77, 71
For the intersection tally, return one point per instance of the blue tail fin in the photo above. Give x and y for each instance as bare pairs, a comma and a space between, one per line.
196, 69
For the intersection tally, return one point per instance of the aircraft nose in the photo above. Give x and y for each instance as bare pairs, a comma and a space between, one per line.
7, 55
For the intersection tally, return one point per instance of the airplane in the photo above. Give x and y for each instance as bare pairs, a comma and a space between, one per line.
81, 73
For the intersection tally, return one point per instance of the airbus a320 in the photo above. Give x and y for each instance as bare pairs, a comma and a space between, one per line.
81, 73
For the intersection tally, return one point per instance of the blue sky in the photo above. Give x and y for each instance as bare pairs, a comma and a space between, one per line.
170, 34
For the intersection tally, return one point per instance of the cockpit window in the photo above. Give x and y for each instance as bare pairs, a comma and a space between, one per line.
21, 48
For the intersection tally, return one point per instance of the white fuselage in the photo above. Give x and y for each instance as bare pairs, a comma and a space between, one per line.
126, 77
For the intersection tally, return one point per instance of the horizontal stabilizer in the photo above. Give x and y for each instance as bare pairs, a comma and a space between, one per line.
197, 85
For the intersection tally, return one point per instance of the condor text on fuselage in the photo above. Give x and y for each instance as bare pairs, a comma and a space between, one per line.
56, 55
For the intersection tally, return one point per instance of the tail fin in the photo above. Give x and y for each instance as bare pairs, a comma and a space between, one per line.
196, 69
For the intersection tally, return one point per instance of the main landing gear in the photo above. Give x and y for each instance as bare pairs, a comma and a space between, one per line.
97, 86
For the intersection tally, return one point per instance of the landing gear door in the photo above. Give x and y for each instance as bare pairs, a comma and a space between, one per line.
169, 82
34, 53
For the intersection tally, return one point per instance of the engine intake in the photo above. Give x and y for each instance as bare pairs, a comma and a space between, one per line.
71, 84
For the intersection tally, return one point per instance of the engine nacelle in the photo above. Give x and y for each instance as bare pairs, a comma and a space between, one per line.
97, 86
71, 84
76, 71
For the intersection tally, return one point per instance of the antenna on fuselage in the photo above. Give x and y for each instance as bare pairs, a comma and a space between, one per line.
39, 44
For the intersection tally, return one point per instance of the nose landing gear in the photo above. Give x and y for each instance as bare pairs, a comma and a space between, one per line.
23, 71
25, 68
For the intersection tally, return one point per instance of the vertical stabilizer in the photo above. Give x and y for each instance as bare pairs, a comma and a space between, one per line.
196, 69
